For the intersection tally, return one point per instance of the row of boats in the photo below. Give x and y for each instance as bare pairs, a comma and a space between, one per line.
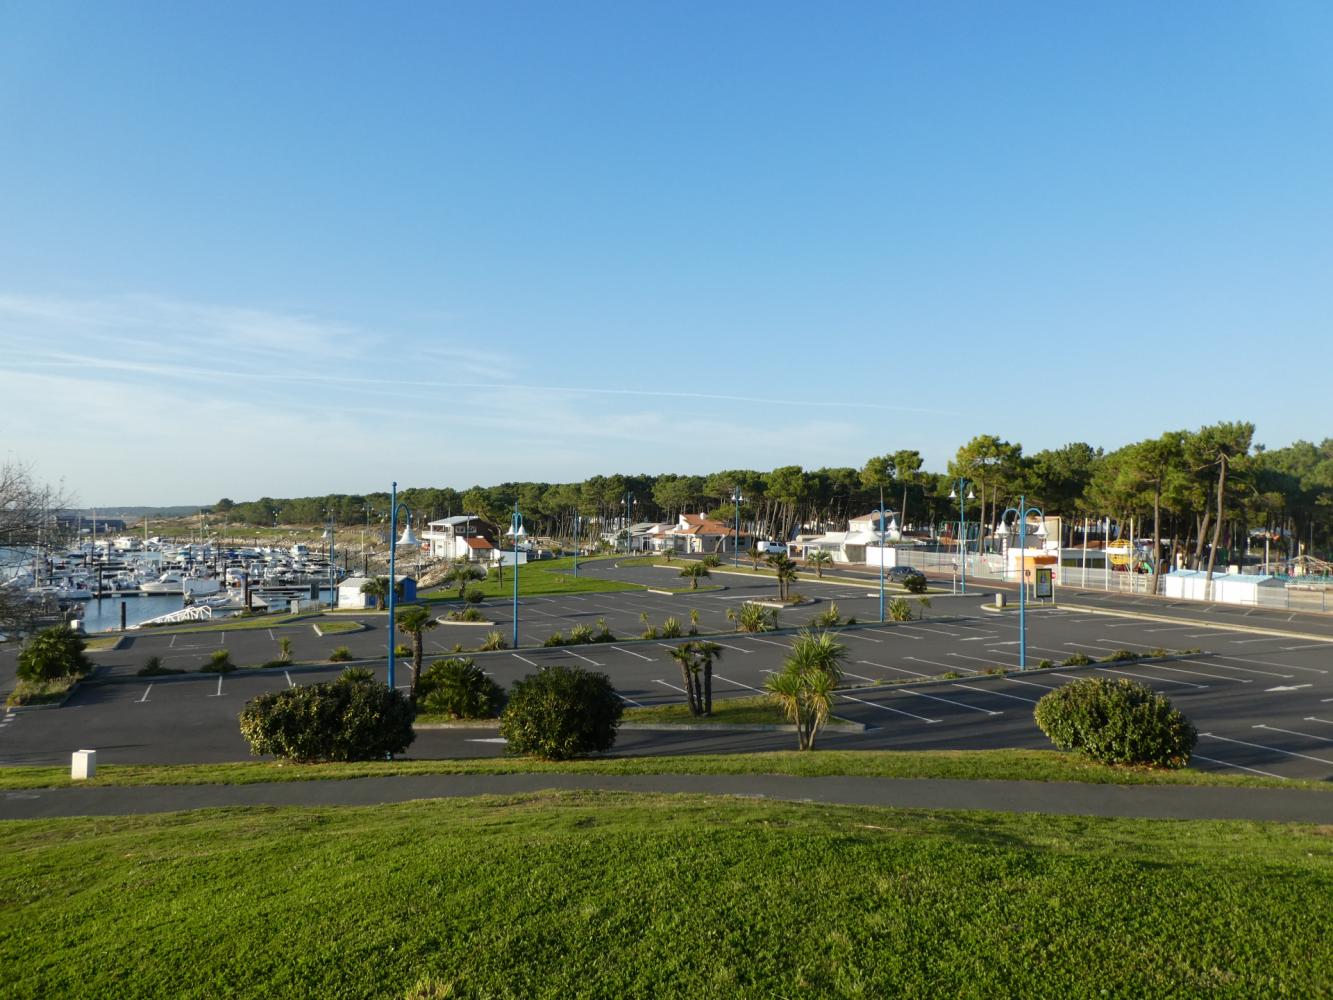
196, 572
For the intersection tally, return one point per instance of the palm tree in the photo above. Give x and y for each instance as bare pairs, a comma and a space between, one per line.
754, 554
708, 652
784, 568
461, 573
416, 620
693, 571
804, 688
696, 668
378, 588
819, 560
752, 617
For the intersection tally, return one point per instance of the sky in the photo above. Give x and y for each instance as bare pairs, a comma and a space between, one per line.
290, 249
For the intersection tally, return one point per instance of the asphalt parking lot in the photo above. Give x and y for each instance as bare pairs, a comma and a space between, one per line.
1263, 704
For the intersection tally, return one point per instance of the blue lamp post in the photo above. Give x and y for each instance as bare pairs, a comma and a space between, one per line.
516, 531
329, 539
1021, 514
629, 514
879, 514
736, 500
408, 539
957, 494
578, 542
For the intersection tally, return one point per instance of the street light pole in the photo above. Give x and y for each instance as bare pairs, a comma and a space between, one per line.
576, 544
408, 539
736, 500
880, 515
957, 493
629, 508
515, 527
1021, 513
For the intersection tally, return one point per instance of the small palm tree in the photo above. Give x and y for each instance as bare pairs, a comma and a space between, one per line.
755, 553
694, 571
819, 560
696, 668
689, 668
805, 686
752, 617
461, 573
416, 620
784, 568
378, 588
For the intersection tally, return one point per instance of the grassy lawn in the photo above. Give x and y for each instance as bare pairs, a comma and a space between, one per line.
596, 894
40, 692
236, 624
754, 710
337, 627
548, 576
1015, 765
102, 643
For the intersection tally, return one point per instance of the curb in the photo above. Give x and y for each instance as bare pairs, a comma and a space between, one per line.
1221, 626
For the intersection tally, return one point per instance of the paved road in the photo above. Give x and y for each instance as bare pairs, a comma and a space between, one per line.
1063, 798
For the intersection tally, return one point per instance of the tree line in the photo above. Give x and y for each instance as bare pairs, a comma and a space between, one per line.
1199, 492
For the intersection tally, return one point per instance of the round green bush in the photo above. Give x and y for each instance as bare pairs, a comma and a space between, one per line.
1116, 722
346, 719
53, 652
560, 712
458, 688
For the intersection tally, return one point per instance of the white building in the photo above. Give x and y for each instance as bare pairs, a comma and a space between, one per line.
464, 536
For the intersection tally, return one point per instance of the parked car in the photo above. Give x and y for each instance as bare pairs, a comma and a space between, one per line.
901, 574
772, 548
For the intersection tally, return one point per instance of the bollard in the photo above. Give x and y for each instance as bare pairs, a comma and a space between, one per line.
84, 765
999, 600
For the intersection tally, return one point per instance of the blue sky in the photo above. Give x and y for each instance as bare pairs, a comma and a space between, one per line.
286, 249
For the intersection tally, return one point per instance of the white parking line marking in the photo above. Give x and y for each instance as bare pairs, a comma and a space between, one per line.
1312, 645
1199, 673
738, 649
895, 711
1242, 642
858, 635
768, 642
885, 666
274, 638
1292, 732
172, 643
868, 680
524, 659
1270, 663
1163, 680
1260, 746
1214, 760
632, 653
895, 634
1244, 670
290, 683
584, 658
219, 693
1048, 687
1288, 687
998, 694
145, 695
738, 683
960, 704
937, 631
628, 701
1311, 718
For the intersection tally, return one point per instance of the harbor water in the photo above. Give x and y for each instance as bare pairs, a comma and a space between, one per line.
104, 615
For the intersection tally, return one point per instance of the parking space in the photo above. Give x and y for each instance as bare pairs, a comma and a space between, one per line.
1262, 703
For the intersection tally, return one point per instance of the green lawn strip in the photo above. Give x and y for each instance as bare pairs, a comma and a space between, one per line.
619, 895
239, 623
103, 643
806, 574
49, 692
336, 627
753, 710
547, 576
1013, 765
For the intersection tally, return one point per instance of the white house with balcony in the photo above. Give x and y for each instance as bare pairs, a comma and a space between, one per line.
463, 536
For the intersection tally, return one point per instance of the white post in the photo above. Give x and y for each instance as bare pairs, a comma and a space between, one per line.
83, 766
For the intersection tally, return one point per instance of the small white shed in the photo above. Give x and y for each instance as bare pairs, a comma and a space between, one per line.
1249, 588
1187, 584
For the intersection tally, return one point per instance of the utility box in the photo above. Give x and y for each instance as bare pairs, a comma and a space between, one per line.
999, 600
83, 766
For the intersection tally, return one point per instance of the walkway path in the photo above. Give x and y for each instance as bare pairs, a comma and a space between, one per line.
1063, 798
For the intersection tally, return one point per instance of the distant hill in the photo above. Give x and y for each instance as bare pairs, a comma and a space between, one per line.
133, 513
